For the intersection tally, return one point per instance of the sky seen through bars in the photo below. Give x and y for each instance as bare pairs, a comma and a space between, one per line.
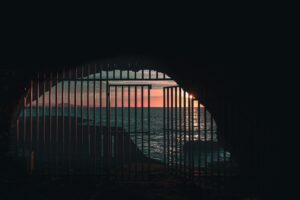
156, 96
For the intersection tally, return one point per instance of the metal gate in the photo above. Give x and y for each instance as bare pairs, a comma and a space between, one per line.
85, 121
97, 121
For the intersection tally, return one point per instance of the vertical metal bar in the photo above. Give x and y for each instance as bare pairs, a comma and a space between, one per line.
30, 126
76, 117
63, 111
164, 125
143, 74
88, 119
81, 149
81, 104
95, 127
219, 147
231, 122
142, 125
222, 120
24, 126
88, 114
44, 117
149, 131
172, 129
205, 139
56, 124
168, 130
176, 145
69, 117
135, 127
108, 120
50, 112
199, 140
93, 149
228, 121
116, 125
150, 74
212, 144
123, 143
30, 104
23, 131
184, 132
37, 135
38, 113
44, 111
189, 133
53, 123
192, 135
100, 123
129, 134
220, 110
62, 140
235, 129
18, 136
18, 143
62, 158
180, 129
156, 74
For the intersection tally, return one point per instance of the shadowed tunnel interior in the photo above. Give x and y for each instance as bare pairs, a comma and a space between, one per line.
238, 95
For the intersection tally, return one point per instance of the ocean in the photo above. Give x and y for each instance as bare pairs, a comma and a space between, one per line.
135, 121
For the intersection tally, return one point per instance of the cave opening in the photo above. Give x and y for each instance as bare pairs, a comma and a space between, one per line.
117, 123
